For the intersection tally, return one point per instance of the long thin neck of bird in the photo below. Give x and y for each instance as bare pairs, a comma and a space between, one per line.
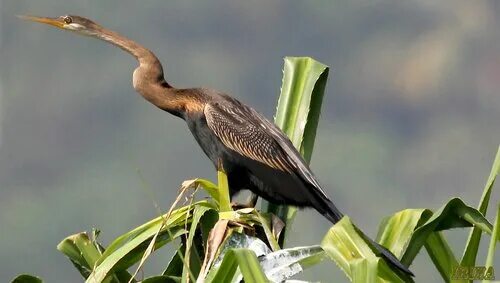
148, 78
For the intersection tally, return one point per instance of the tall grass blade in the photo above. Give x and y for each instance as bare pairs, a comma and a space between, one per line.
297, 114
495, 237
129, 248
472, 246
441, 255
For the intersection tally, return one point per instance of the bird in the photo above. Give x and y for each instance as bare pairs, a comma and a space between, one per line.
255, 154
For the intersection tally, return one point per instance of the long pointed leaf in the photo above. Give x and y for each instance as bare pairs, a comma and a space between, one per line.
441, 255
346, 248
396, 231
297, 114
455, 213
495, 237
472, 246
84, 254
129, 248
198, 213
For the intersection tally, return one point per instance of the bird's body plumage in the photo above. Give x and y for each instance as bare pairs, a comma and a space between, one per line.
255, 154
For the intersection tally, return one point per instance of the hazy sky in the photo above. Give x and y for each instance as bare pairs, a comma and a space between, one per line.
410, 118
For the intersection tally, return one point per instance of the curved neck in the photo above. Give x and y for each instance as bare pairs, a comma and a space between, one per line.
148, 78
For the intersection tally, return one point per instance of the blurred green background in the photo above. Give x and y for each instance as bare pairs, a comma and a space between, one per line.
411, 116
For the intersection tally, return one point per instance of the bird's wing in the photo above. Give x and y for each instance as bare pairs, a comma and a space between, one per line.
247, 132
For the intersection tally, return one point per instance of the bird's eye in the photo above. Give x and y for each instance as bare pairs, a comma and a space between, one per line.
68, 20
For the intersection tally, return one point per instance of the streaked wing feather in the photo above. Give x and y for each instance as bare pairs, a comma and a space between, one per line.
242, 134
247, 132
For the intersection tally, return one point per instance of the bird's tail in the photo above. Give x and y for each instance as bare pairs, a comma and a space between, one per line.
334, 215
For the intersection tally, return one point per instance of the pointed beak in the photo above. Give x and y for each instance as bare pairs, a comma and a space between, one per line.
50, 21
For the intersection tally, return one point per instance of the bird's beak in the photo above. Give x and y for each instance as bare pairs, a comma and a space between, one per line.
50, 21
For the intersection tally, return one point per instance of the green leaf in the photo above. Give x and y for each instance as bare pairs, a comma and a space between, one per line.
26, 278
176, 218
495, 237
176, 264
297, 114
283, 264
224, 198
80, 250
405, 232
207, 222
472, 246
396, 231
84, 253
364, 270
129, 248
194, 263
348, 249
453, 214
236, 262
441, 255
209, 187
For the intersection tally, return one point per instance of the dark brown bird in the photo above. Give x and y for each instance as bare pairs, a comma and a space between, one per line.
255, 154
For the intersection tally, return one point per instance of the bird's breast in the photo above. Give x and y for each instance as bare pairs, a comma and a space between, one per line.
208, 141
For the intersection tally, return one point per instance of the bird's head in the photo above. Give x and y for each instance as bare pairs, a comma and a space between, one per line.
73, 23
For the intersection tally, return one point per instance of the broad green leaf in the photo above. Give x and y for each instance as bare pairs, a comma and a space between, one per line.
396, 231
26, 278
365, 270
297, 114
84, 253
441, 255
347, 249
495, 237
343, 245
453, 214
472, 246
283, 264
176, 217
132, 252
129, 248
237, 263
